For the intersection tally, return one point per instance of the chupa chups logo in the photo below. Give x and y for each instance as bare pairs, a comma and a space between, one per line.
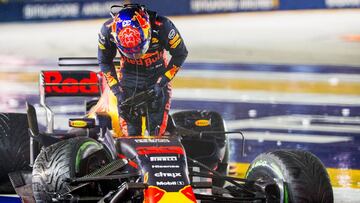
70, 82
163, 158
167, 175
152, 140
169, 183
165, 166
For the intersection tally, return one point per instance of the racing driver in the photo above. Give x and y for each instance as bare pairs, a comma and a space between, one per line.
142, 38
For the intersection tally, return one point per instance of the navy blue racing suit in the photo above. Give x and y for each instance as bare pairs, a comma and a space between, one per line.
138, 75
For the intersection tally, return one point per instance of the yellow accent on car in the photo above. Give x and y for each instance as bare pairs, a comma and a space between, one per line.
143, 125
202, 123
78, 124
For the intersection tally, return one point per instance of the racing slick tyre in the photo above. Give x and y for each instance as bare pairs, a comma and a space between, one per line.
70, 158
14, 147
214, 154
304, 176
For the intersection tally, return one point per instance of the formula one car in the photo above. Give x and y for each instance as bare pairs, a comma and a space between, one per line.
93, 162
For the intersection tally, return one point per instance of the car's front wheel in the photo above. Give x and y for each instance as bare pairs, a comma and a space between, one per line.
301, 177
70, 158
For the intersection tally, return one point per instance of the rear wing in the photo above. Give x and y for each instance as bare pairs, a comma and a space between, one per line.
66, 83
82, 61
69, 83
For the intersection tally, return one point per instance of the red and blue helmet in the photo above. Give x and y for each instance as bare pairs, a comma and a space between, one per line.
132, 31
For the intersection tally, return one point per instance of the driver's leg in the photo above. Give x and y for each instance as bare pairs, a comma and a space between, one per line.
129, 124
158, 114
130, 127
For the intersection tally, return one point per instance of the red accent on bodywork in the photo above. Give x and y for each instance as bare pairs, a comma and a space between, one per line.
153, 195
131, 163
188, 192
160, 150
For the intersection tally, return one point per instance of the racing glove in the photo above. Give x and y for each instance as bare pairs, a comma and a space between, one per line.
165, 79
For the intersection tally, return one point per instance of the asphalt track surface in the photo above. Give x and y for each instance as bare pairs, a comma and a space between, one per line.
286, 79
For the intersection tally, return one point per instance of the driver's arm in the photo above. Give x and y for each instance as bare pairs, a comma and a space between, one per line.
106, 55
174, 43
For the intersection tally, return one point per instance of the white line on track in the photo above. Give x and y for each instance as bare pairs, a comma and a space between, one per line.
234, 74
285, 137
297, 122
225, 95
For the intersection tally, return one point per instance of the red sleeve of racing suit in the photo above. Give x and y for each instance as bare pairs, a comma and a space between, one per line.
106, 54
173, 42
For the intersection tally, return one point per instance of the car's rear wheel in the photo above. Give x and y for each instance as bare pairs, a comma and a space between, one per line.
14, 147
303, 178
70, 158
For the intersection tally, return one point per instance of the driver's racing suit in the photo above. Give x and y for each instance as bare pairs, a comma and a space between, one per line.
142, 74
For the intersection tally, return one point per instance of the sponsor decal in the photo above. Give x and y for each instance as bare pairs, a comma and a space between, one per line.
175, 41
169, 183
152, 140
172, 34
126, 23
154, 40
177, 36
176, 44
165, 166
163, 158
78, 123
202, 123
100, 9
64, 83
342, 3
167, 175
232, 5
146, 60
46, 11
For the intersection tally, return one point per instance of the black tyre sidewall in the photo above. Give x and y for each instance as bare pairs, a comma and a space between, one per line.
14, 147
57, 162
305, 177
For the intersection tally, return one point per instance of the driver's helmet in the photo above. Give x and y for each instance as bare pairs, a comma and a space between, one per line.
132, 32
